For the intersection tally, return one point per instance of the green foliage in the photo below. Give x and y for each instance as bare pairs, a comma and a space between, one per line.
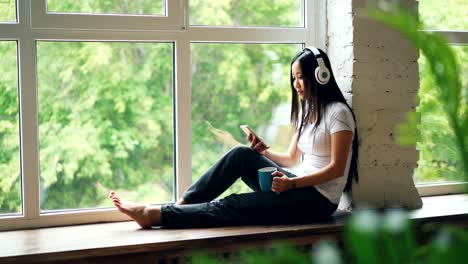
149, 7
372, 238
7, 11
445, 71
246, 13
277, 253
105, 120
408, 132
447, 246
443, 15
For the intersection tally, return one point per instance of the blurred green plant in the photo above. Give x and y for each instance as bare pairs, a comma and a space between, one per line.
389, 237
444, 69
278, 253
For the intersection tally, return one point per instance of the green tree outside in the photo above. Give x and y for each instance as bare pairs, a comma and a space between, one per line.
105, 122
7, 11
138, 7
273, 13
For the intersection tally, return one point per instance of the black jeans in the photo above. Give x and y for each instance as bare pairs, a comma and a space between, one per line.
294, 206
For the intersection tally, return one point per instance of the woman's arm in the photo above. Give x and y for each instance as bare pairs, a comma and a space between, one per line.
288, 159
340, 144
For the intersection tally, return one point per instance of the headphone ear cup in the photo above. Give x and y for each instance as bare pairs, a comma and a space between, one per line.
322, 75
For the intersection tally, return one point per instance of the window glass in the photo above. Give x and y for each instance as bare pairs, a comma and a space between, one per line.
274, 13
444, 15
236, 84
10, 173
438, 157
105, 122
8, 11
134, 7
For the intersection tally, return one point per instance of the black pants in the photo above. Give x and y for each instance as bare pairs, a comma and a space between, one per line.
294, 206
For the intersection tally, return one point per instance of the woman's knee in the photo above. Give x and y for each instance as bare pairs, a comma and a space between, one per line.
243, 150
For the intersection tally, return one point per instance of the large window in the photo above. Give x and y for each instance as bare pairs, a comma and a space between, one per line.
439, 164
136, 96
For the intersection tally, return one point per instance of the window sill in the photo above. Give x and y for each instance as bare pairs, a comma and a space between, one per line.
442, 188
97, 241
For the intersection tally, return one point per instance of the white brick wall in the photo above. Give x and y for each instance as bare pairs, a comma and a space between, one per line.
379, 68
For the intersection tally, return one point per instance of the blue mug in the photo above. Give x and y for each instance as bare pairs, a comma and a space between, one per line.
265, 178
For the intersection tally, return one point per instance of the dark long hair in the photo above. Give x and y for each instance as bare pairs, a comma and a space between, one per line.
315, 100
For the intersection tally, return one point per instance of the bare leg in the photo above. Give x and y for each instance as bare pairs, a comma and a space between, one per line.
145, 215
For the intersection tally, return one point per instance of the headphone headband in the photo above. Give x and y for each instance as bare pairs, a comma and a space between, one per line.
322, 74
314, 50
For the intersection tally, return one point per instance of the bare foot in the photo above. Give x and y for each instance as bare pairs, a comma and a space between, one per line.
145, 215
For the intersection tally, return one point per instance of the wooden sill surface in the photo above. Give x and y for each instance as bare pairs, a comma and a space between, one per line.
125, 237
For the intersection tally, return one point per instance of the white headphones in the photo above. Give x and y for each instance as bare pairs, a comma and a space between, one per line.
322, 74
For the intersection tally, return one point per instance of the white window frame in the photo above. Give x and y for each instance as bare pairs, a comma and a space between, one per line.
40, 25
170, 21
455, 38
430, 189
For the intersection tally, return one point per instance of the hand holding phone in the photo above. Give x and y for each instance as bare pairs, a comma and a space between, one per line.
255, 141
248, 131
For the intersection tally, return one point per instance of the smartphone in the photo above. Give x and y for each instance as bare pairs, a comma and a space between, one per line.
247, 130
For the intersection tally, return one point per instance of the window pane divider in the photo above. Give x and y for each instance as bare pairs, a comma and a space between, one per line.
183, 120
29, 127
101, 35
246, 35
42, 19
10, 31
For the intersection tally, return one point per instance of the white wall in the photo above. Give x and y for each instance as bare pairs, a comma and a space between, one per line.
379, 68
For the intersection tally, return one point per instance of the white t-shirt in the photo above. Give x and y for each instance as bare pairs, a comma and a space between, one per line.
316, 147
